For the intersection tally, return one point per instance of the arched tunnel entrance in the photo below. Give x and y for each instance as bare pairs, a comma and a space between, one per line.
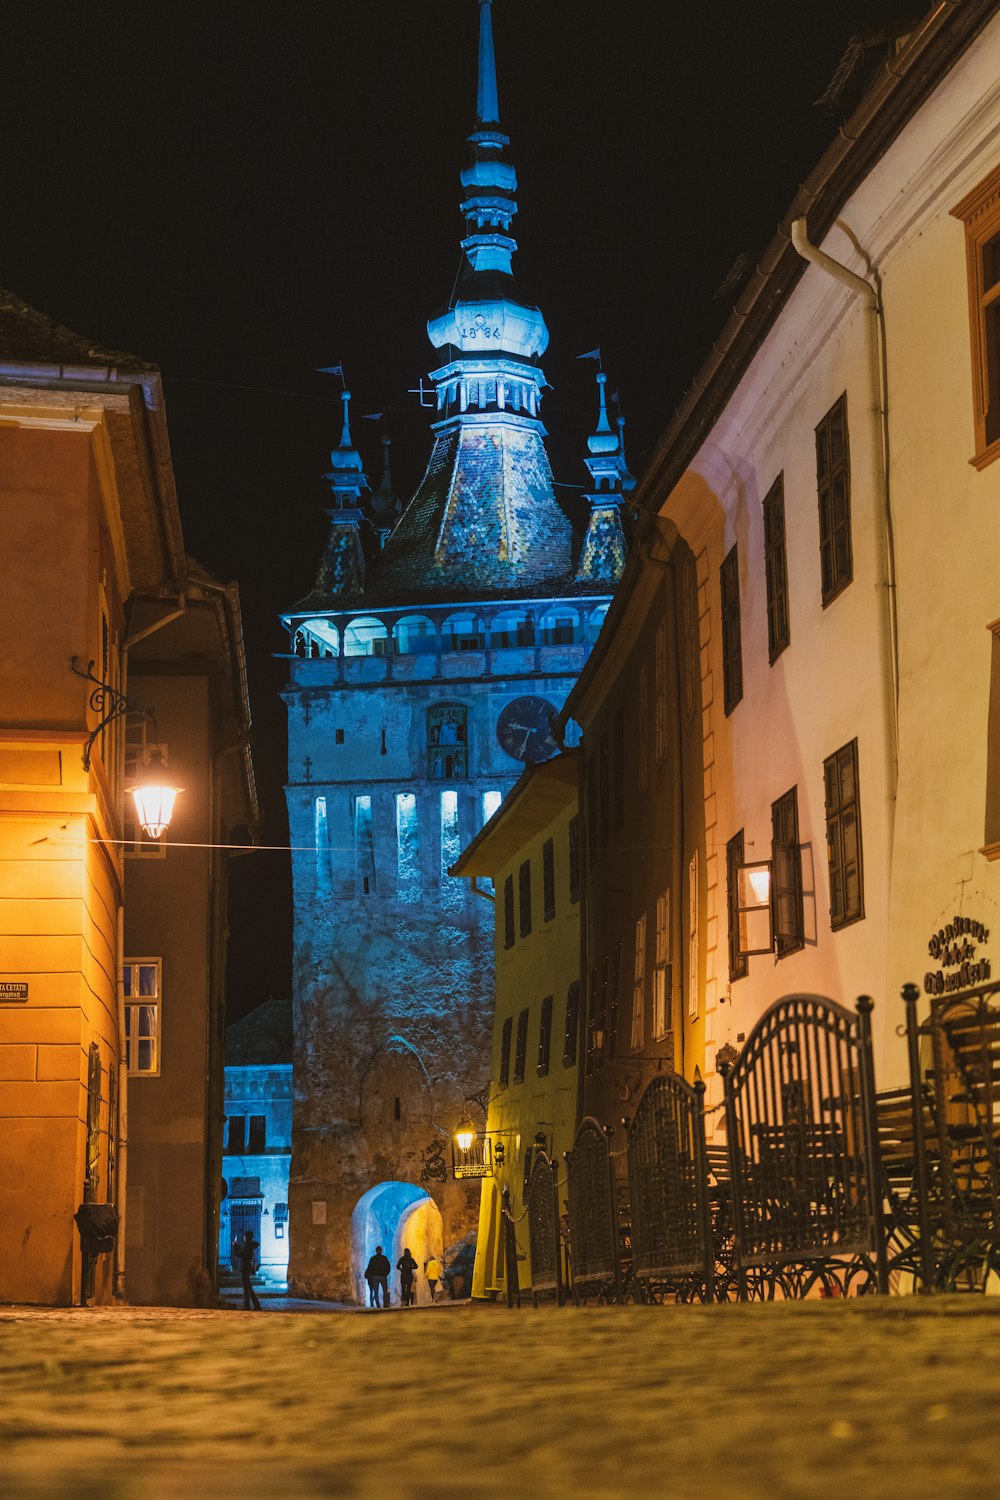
395, 1215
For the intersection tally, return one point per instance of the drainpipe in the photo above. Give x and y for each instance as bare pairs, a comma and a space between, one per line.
888, 639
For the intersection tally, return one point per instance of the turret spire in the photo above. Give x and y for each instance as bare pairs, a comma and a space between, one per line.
602, 557
487, 108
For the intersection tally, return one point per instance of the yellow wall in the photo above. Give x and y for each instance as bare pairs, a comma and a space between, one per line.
544, 963
60, 891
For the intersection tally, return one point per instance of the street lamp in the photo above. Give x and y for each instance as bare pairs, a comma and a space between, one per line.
154, 794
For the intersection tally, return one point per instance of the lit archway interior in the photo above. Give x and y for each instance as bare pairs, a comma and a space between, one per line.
395, 1215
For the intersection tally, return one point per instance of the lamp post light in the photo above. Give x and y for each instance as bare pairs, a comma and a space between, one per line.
154, 794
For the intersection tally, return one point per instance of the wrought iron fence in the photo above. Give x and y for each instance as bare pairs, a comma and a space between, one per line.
671, 1227
595, 1226
543, 1229
803, 1162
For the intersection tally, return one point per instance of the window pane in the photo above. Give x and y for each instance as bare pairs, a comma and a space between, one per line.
147, 979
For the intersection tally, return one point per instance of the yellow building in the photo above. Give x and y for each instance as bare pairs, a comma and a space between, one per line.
97, 577
530, 851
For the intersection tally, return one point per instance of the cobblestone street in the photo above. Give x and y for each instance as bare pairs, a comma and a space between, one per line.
788, 1400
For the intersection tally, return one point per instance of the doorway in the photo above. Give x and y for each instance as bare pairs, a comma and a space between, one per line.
397, 1216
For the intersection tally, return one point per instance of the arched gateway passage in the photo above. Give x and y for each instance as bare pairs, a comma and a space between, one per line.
394, 1215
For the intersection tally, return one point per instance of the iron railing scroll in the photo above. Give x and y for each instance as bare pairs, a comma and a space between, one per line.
672, 1242
803, 1154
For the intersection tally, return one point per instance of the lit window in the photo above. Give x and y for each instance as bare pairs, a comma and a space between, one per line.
322, 841
364, 847
141, 980
407, 847
452, 889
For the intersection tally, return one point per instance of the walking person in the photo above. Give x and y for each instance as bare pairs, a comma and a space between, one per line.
247, 1250
377, 1276
432, 1270
407, 1267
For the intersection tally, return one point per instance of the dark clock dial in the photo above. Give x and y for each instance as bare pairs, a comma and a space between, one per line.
524, 729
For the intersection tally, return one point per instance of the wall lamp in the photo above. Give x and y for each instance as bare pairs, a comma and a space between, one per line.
154, 793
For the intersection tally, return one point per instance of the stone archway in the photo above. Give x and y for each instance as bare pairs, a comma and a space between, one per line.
395, 1215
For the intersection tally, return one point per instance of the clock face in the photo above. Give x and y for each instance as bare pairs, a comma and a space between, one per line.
524, 729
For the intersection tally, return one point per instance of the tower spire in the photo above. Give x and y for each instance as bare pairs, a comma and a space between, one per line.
602, 557
487, 108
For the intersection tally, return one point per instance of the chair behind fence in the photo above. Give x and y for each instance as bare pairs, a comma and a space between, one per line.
593, 1214
802, 1151
672, 1249
543, 1228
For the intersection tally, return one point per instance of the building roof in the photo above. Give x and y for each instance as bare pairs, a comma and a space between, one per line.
936, 44
542, 792
263, 1038
29, 335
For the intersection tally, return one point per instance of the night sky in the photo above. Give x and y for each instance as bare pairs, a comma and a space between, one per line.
243, 192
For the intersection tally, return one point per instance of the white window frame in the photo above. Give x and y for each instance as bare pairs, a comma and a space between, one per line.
639, 986
661, 973
134, 1004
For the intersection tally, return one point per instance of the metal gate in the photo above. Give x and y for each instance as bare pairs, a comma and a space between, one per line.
593, 1214
543, 1228
672, 1247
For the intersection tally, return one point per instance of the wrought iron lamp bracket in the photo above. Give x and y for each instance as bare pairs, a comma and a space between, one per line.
106, 701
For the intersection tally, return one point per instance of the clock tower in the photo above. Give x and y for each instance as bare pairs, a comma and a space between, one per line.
426, 668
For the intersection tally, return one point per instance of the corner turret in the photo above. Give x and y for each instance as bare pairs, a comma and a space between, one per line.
602, 556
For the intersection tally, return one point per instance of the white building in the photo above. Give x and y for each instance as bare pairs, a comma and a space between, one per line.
832, 471
258, 1141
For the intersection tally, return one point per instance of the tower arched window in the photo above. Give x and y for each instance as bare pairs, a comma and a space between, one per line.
512, 627
596, 621
560, 626
413, 633
366, 636
317, 637
463, 632
447, 741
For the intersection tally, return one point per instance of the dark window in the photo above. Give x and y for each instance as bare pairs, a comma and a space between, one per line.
574, 857
524, 897
843, 835
521, 1051
257, 1138
548, 880
618, 771
236, 1135
338, 736
508, 912
592, 1021
505, 1035
732, 648
572, 1023
833, 483
739, 964
545, 1037
591, 824
786, 875
776, 569
614, 990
